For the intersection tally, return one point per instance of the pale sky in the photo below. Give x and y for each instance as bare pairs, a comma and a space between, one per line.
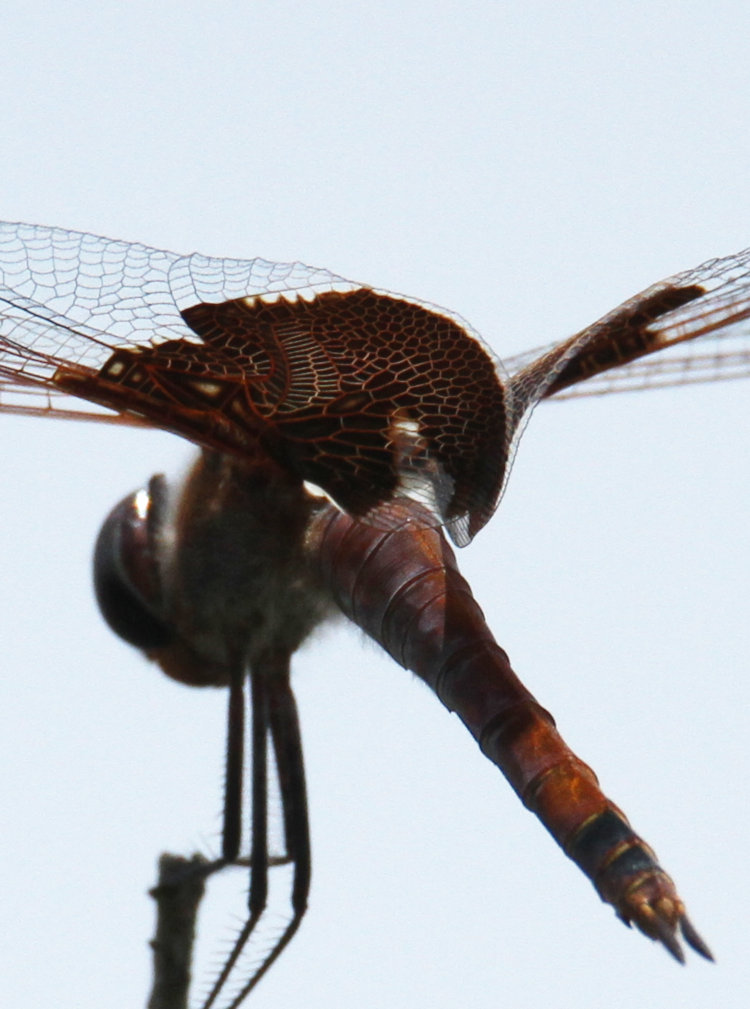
528, 165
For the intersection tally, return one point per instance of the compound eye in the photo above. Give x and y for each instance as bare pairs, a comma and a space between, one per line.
127, 580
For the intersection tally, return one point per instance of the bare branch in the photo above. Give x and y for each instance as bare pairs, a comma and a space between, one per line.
178, 895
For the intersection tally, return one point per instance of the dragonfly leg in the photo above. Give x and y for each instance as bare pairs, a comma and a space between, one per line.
232, 829
287, 744
232, 820
274, 717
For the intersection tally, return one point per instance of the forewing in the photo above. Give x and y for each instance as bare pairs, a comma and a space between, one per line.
371, 395
90, 295
705, 338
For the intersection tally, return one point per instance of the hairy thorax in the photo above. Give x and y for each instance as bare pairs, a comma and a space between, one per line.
237, 579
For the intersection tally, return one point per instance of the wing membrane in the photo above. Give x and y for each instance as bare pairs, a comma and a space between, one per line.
719, 357
30, 400
69, 300
370, 395
108, 321
99, 291
705, 338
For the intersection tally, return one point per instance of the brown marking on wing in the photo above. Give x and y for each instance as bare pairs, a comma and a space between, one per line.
339, 369
361, 393
623, 336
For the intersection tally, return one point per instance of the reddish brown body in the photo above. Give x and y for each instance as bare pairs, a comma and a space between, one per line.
403, 588
289, 376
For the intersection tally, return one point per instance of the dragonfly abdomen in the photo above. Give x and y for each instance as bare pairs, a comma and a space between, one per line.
403, 587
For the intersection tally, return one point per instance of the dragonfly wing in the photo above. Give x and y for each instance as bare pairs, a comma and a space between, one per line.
704, 337
728, 358
22, 399
120, 288
132, 293
372, 396
198, 279
69, 299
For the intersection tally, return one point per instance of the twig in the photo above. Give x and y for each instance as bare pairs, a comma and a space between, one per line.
177, 894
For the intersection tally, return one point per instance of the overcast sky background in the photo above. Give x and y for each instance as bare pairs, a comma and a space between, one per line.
529, 165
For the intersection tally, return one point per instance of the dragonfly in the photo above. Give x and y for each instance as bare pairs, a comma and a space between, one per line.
346, 433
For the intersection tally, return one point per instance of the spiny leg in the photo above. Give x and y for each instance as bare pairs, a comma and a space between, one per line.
287, 744
274, 713
181, 881
232, 821
231, 833
232, 829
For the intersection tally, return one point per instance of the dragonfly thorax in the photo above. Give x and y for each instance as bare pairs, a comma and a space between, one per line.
218, 573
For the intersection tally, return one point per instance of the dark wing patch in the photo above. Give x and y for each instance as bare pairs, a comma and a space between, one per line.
371, 397
623, 336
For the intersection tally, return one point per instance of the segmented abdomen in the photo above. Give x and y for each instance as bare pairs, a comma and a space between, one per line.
403, 588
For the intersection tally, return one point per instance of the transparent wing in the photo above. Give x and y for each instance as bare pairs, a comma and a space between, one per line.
718, 358
22, 400
704, 339
71, 299
368, 394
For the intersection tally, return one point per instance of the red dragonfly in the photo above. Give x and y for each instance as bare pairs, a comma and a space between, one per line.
342, 429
